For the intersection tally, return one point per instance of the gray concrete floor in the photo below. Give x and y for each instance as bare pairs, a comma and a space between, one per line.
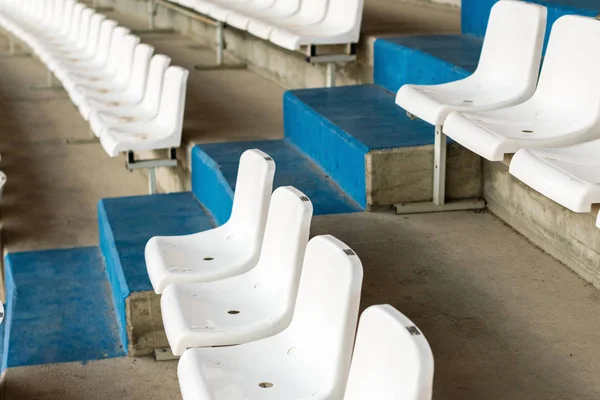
505, 320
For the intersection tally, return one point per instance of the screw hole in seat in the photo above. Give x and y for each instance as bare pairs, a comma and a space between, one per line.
265, 385
233, 312
208, 258
526, 131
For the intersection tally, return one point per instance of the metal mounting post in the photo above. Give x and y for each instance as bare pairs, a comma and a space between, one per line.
49, 85
330, 80
439, 203
220, 46
151, 166
152, 10
12, 49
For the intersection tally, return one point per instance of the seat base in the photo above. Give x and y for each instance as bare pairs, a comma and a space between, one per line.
430, 207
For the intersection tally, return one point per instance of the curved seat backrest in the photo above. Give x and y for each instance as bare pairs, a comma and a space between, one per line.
66, 18
253, 187
570, 77
154, 84
172, 101
139, 71
392, 359
57, 13
84, 29
107, 31
511, 56
324, 322
75, 20
122, 46
127, 59
346, 15
93, 37
46, 12
284, 244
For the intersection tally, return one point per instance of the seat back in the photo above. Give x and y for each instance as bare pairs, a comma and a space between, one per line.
346, 15
253, 187
322, 329
129, 56
570, 77
57, 14
108, 29
67, 17
284, 246
84, 30
172, 101
74, 25
139, 71
2, 183
511, 57
93, 36
287, 7
121, 51
154, 84
392, 359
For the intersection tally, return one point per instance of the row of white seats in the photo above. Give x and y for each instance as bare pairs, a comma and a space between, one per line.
550, 124
285, 307
288, 23
133, 100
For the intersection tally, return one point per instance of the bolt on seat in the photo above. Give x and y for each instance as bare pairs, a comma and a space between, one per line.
565, 109
228, 250
309, 359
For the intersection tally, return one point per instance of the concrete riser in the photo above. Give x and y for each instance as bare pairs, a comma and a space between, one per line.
145, 329
406, 175
571, 238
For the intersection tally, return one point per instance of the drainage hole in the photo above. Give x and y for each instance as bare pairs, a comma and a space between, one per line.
233, 312
526, 131
265, 385
467, 101
208, 258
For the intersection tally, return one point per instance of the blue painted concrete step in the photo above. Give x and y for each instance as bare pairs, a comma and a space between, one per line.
424, 60
338, 127
127, 223
58, 309
475, 13
215, 167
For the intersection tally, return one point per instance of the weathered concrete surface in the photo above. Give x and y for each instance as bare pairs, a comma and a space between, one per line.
145, 328
572, 238
117, 378
504, 319
406, 175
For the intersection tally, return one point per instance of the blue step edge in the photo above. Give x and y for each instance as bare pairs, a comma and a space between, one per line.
215, 168
58, 309
126, 224
338, 127
424, 60
475, 13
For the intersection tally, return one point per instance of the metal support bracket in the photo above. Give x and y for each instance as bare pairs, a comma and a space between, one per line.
439, 185
330, 60
151, 166
152, 10
220, 45
49, 85
12, 49
164, 355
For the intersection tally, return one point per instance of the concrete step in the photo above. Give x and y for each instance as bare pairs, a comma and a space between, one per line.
126, 224
475, 13
371, 148
58, 309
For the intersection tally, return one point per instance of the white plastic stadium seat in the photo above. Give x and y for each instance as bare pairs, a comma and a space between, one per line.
507, 72
3, 180
251, 306
130, 95
392, 359
163, 131
568, 175
228, 250
308, 360
564, 110
116, 113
